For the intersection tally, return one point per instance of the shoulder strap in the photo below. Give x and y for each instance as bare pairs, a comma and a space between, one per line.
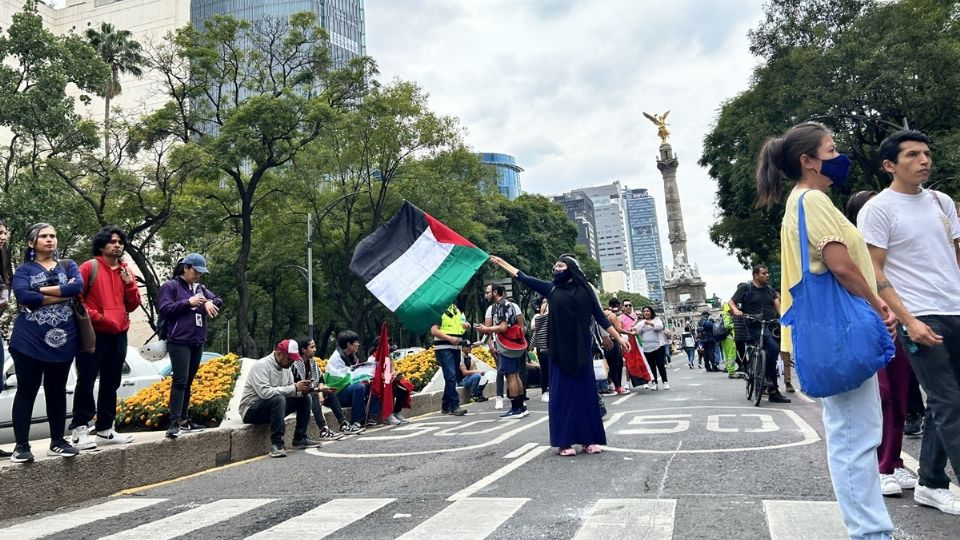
94, 268
802, 225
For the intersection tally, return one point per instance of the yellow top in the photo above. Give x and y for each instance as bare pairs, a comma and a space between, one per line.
451, 322
825, 224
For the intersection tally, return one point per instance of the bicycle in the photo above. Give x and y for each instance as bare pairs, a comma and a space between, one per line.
755, 360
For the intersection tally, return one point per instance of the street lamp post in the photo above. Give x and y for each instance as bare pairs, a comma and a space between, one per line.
310, 274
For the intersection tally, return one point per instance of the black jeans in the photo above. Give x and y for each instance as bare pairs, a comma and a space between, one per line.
185, 360
31, 373
544, 356
709, 355
399, 398
938, 370
107, 363
657, 363
317, 411
615, 364
330, 400
272, 411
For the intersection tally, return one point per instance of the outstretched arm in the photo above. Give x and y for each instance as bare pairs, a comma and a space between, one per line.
538, 285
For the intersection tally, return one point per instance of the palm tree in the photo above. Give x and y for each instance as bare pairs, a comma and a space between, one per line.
123, 55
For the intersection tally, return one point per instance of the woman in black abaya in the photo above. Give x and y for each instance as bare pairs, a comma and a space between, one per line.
575, 416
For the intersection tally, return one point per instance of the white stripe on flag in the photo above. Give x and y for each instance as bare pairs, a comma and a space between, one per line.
466, 519
405, 275
191, 520
623, 518
56, 523
800, 520
323, 520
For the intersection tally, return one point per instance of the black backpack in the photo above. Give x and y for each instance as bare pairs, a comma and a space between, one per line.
720, 332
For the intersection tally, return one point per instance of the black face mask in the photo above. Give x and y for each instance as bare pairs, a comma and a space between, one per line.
561, 277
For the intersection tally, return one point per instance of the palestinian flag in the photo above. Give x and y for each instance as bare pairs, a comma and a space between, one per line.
416, 266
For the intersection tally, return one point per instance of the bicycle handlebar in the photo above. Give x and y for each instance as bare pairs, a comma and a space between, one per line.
760, 320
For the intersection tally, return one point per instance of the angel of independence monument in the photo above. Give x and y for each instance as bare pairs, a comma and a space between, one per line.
683, 289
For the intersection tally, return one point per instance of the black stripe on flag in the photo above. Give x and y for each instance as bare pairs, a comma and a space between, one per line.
377, 251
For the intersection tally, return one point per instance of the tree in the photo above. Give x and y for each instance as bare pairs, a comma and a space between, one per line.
251, 97
863, 69
123, 55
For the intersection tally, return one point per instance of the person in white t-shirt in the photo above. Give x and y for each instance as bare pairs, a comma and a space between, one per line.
912, 234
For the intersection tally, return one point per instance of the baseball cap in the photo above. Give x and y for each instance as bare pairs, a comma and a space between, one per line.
290, 347
196, 261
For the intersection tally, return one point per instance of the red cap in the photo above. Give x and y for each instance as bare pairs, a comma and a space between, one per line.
290, 347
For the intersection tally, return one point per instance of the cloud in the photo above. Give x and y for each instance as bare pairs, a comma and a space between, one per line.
562, 86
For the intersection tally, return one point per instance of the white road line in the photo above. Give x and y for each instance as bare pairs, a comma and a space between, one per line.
191, 520
626, 518
804, 520
626, 397
466, 519
497, 474
914, 466
805, 397
61, 522
323, 520
520, 451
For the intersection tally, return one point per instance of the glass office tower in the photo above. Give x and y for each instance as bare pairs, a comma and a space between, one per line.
508, 173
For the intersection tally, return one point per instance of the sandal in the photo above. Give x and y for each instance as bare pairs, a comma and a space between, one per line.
592, 448
566, 452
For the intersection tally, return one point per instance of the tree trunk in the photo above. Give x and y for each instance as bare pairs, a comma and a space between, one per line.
150, 280
106, 127
322, 344
248, 347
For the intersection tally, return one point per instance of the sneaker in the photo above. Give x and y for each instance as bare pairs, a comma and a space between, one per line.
523, 412
186, 426
393, 420
459, 411
777, 397
607, 391
404, 420
4, 453
373, 422
691, 366
905, 478
499, 403
21, 454
328, 434
110, 436
479, 399
62, 448
173, 431
889, 486
790, 388
913, 426
351, 429
652, 386
305, 443
512, 413
545, 397
623, 391
277, 450
666, 385
80, 437
733, 376
941, 499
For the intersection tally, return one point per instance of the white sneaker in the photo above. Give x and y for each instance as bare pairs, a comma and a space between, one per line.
889, 486
393, 420
905, 478
112, 437
81, 438
652, 386
545, 397
400, 417
941, 499
666, 386
499, 403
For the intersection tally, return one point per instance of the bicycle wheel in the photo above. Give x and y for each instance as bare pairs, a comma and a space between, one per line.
759, 374
748, 367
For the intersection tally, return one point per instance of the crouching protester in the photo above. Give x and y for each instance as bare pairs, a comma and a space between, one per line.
270, 394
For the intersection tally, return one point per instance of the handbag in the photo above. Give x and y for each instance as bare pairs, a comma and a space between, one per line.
88, 338
839, 341
599, 369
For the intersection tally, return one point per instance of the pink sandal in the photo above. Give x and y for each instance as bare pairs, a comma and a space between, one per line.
567, 452
592, 448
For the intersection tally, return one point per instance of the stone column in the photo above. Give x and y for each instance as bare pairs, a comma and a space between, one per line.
668, 163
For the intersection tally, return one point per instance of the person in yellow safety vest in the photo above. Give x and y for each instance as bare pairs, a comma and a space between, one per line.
446, 344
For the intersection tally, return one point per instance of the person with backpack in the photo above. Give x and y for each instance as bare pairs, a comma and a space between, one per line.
110, 294
185, 306
708, 341
650, 331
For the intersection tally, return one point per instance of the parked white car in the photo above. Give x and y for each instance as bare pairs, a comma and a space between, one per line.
400, 353
137, 374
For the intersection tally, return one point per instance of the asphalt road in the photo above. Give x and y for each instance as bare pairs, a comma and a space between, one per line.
697, 461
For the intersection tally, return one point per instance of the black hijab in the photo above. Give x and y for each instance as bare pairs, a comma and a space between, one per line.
572, 303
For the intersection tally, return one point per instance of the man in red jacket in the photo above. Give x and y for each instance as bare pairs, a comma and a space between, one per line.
110, 294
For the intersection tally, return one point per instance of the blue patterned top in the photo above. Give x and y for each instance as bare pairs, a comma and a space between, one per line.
46, 332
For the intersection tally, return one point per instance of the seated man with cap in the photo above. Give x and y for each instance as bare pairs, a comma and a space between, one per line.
270, 394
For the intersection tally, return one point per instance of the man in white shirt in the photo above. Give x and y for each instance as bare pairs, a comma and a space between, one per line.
912, 236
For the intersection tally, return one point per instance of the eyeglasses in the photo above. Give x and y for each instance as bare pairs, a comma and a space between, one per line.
628, 305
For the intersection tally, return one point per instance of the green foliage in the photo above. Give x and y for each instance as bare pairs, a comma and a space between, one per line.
638, 300
862, 68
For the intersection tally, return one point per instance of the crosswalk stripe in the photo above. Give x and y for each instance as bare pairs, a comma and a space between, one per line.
191, 520
804, 520
466, 519
324, 519
625, 518
70, 520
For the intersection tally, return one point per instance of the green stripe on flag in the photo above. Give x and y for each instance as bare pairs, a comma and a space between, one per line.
422, 309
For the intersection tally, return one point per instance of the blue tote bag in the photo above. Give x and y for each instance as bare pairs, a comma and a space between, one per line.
839, 341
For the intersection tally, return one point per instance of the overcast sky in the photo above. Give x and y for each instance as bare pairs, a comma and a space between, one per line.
561, 85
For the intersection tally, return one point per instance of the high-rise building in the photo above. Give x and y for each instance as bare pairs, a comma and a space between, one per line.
644, 234
344, 20
508, 173
611, 227
579, 209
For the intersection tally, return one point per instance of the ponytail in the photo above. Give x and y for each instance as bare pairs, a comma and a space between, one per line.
780, 157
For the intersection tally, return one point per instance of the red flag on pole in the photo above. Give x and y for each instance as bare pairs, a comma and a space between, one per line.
382, 385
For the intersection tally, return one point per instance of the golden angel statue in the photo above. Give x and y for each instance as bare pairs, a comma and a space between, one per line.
661, 122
